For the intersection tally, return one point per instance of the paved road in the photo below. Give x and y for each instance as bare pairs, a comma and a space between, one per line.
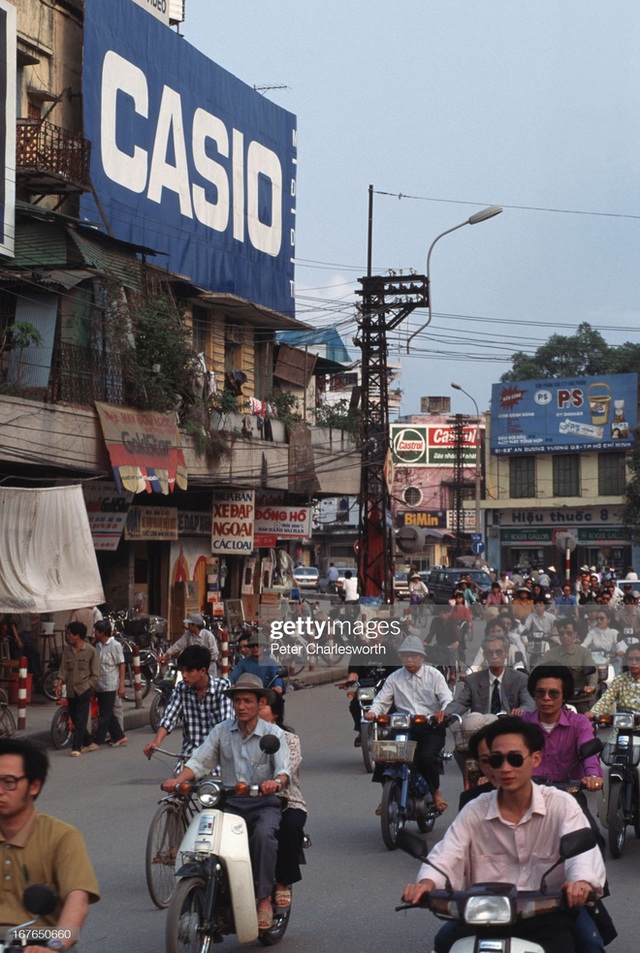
351, 883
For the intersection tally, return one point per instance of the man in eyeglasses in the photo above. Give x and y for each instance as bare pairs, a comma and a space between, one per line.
511, 835
38, 849
551, 686
577, 659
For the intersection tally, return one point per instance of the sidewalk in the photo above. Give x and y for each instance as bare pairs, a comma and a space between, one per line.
40, 710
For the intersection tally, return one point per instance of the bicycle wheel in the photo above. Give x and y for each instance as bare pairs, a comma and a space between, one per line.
165, 834
61, 731
49, 683
185, 916
156, 711
7, 722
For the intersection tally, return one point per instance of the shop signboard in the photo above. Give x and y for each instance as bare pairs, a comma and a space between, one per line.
431, 519
107, 510
283, 522
564, 415
427, 445
232, 522
151, 523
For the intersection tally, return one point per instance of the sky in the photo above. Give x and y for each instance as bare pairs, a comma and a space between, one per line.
445, 107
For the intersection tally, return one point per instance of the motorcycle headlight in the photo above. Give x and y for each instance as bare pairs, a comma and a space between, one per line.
400, 720
366, 694
623, 719
209, 792
494, 909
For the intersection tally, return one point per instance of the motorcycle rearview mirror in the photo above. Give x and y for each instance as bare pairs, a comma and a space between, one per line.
413, 844
588, 748
571, 844
269, 744
40, 899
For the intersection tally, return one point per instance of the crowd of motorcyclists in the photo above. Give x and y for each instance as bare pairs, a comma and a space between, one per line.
522, 707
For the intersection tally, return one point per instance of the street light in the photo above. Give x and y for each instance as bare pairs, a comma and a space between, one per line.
474, 219
478, 456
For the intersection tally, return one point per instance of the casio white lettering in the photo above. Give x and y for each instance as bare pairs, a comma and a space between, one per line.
125, 87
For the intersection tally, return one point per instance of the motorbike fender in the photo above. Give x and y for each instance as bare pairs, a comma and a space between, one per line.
225, 835
602, 803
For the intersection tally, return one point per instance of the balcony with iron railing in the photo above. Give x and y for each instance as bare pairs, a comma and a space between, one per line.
51, 160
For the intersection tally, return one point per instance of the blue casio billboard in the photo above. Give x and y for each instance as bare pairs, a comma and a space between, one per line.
186, 159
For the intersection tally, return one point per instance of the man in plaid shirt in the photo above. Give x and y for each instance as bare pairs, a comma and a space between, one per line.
198, 700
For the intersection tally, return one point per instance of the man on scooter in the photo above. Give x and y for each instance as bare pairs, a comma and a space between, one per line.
234, 747
512, 835
38, 849
420, 690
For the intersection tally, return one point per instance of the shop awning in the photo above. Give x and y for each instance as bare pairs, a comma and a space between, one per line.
48, 561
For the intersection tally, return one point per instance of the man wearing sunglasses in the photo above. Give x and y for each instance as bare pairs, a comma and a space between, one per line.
551, 687
38, 849
511, 835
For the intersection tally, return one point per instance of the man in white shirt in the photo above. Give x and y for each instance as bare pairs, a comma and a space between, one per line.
420, 690
511, 835
196, 634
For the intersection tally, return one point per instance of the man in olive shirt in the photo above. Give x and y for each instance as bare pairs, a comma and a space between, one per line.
38, 849
79, 672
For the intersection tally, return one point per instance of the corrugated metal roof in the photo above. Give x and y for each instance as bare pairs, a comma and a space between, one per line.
108, 260
40, 243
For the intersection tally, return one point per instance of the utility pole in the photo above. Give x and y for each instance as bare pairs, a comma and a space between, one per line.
386, 302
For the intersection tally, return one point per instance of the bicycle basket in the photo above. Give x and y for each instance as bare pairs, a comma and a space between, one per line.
400, 751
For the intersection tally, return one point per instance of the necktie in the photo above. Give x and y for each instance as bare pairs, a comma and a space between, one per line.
496, 702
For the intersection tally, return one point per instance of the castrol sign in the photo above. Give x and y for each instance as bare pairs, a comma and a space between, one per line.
409, 446
422, 445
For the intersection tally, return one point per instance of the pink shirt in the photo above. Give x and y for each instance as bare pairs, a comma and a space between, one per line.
481, 846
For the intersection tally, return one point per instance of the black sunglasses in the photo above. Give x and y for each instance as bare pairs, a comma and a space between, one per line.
514, 758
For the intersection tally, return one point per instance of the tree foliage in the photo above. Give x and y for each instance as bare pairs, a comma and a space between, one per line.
584, 354
160, 361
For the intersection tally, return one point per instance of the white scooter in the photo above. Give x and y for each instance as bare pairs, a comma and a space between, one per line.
493, 907
215, 895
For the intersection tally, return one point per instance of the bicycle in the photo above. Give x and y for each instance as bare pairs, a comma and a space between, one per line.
167, 828
62, 726
7, 721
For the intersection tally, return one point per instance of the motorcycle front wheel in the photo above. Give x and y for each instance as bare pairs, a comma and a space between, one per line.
390, 816
185, 917
616, 820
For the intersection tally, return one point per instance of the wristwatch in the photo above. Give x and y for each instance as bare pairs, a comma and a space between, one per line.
55, 944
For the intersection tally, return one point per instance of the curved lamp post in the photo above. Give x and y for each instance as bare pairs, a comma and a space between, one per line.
478, 454
474, 219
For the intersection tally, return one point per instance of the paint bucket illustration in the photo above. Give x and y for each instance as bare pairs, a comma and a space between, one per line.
599, 399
